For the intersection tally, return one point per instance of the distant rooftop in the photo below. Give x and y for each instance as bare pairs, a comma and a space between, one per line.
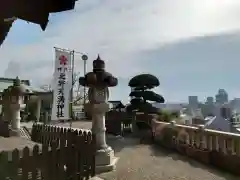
116, 104
5, 82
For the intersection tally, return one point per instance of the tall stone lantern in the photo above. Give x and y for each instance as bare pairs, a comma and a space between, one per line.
16, 95
98, 81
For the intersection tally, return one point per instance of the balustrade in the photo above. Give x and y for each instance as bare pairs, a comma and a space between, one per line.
225, 142
218, 148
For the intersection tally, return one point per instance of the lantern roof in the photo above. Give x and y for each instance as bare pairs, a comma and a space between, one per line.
17, 87
98, 64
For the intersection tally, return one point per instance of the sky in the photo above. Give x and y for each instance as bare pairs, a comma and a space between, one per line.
192, 46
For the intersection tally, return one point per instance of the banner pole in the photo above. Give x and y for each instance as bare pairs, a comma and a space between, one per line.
84, 90
72, 89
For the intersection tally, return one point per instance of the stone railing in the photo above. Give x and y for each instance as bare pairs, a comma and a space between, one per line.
218, 148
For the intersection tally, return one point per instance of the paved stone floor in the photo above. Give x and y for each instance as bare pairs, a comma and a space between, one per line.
8, 144
149, 162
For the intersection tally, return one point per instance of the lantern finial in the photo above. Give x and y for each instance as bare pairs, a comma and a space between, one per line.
16, 82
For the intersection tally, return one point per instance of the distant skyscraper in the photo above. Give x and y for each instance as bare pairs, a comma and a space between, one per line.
193, 102
221, 96
210, 100
208, 109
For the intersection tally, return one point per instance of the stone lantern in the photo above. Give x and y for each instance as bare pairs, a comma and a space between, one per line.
16, 95
98, 82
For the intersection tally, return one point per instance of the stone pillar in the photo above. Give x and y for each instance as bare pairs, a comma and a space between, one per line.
135, 129
15, 107
34, 104
98, 128
16, 118
38, 108
46, 117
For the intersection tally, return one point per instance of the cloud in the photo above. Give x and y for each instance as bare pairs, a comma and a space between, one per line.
197, 66
13, 69
119, 31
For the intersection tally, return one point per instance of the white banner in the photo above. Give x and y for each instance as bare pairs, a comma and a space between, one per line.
62, 85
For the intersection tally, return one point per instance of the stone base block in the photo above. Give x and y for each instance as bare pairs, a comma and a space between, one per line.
105, 160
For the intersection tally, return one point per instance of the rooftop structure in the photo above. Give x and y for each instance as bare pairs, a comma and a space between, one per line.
117, 104
6, 82
193, 102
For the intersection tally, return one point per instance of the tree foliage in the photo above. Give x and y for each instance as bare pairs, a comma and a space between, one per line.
144, 81
147, 95
168, 116
165, 116
141, 94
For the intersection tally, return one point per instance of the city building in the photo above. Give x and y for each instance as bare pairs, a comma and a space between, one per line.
210, 100
221, 96
225, 111
197, 117
208, 107
223, 120
193, 102
235, 105
184, 117
172, 107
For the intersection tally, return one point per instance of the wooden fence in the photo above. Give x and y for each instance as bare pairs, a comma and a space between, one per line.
64, 155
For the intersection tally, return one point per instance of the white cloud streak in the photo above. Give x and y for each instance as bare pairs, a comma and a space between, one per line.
119, 30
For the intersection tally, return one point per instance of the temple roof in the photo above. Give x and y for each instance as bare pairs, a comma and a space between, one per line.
4, 30
31, 11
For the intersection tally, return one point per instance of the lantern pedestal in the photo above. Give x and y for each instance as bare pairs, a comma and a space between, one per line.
15, 121
105, 159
